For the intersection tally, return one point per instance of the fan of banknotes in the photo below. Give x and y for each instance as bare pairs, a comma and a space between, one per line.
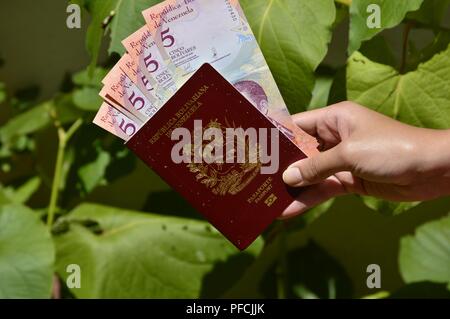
178, 38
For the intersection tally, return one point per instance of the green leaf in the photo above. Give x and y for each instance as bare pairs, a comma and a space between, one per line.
378, 295
321, 92
308, 265
22, 194
431, 12
378, 50
294, 37
387, 207
303, 292
83, 78
392, 13
39, 117
438, 44
100, 11
420, 98
148, 256
27, 122
426, 255
26, 254
92, 174
87, 99
64, 109
125, 17
6, 195
338, 90
128, 18
312, 274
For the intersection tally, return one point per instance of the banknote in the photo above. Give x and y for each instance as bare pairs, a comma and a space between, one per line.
119, 88
112, 102
142, 48
128, 65
115, 122
190, 33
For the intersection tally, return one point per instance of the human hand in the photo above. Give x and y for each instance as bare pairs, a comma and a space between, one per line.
368, 153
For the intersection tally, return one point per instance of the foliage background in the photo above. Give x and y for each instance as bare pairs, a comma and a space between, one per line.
166, 250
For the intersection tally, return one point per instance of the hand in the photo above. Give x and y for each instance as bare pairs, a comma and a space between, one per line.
368, 153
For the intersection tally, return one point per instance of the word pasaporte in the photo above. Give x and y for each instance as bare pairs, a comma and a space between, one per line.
231, 145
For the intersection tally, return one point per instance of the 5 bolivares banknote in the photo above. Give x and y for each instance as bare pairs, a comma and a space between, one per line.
178, 38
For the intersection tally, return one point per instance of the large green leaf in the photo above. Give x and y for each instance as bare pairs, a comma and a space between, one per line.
426, 255
285, 245
27, 122
125, 17
40, 117
20, 195
437, 44
378, 50
294, 37
392, 13
93, 173
128, 18
420, 97
87, 99
26, 254
311, 273
85, 95
83, 78
100, 12
148, 256
431, 12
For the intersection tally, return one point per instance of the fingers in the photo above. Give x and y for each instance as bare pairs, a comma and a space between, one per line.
326, 123
315, 169
308, 121
314, 195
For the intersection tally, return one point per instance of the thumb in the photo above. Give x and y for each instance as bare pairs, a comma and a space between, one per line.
313, 170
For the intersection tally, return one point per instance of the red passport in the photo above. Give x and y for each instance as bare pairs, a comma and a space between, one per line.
240, 196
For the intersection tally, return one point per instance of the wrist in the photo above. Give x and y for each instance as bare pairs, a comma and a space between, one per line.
436, 154
440, 150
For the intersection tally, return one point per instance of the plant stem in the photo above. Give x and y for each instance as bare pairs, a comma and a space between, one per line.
63, 139
406, 32
281, 269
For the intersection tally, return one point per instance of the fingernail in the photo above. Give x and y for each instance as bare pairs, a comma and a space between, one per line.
292, 176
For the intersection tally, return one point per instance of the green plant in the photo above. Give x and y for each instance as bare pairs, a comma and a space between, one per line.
124, 253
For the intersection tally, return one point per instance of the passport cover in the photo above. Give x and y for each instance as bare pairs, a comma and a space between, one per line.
237, 199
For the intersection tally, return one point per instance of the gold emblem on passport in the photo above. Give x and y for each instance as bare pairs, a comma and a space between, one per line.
221, 176
270, 200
